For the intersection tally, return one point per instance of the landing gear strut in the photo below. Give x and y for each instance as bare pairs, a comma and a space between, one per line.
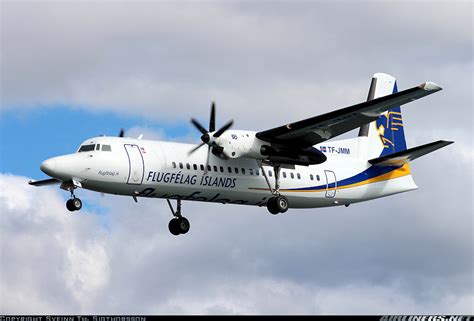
74, 203
277, 203
178, 224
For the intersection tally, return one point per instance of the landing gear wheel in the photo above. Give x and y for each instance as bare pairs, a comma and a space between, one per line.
74, 204
281, 203
277, 204
272, 206
179, 225
173, 226
69, 205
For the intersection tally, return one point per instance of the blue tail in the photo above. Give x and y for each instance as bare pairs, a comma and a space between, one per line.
390, 129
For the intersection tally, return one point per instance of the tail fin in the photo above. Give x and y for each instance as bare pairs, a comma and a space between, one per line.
385, 135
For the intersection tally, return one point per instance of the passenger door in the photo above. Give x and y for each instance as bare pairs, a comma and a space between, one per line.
136, 165
331, 184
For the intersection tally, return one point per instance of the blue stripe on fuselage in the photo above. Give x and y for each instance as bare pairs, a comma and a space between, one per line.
371, 172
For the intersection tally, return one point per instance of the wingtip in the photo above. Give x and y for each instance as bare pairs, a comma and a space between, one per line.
444, 143
430, 86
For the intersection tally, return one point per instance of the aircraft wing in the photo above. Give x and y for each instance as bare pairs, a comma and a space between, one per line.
312, 131
50, 181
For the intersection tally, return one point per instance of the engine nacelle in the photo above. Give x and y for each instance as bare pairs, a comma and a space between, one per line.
241, 143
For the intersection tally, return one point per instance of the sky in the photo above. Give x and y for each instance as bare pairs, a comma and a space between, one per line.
71, 70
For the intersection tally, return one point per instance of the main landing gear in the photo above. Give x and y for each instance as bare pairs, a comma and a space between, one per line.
277, 203
73, 204
178, 224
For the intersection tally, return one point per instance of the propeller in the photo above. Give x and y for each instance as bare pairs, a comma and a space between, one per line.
208, 136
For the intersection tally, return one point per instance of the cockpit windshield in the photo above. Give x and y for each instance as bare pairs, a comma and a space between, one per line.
86, 148
92, 147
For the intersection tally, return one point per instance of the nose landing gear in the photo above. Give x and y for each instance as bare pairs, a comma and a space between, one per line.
179, 224
74, 203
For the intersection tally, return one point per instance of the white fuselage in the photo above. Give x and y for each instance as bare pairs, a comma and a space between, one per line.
159, 169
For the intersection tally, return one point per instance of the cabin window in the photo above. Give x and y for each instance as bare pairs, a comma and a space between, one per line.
181, 165
270, 173
195, 167
284, 174
257, 172
317, 177
292, 175
201, 167
188, 166
209, 168
86, 148
243, 171
174, 165
97, 147
311, 177
222, 169
251, 171
106, 148
236, 170
229, 169
298, 175
215, 168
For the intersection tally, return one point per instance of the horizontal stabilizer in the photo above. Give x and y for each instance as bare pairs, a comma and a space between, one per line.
400, 158
45, 182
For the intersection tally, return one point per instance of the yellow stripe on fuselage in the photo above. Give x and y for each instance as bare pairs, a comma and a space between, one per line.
399, 172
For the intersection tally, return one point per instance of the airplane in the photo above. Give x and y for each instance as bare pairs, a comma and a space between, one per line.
290, 166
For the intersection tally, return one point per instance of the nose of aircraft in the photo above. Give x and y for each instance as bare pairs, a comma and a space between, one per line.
48, 166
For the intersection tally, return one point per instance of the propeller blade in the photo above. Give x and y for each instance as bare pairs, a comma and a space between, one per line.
207, 159
223, 129
196, 148
212, 121
198, 126
122, 132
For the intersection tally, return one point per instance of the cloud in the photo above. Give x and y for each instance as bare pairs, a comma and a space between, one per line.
236, 260
168, 61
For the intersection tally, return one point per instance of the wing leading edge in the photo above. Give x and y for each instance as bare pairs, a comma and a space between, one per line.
312, 131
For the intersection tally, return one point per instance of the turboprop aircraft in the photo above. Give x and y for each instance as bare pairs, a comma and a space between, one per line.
291, 166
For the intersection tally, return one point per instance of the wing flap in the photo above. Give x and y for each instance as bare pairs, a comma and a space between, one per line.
312, 131
400, 158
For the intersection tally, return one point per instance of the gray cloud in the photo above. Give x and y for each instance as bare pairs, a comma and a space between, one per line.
150, 58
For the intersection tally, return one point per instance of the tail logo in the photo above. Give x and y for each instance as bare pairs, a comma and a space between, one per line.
388, 122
